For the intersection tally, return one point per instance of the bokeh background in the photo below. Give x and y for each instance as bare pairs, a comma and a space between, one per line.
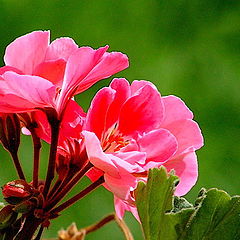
187, 48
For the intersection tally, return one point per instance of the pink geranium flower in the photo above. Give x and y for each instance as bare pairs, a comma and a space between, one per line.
129, 129
43, 75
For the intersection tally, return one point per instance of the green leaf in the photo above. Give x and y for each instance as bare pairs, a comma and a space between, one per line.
153, 200
214, 216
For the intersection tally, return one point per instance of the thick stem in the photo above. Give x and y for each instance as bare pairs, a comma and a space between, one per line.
52, 156
77, 197
122, 225
29, 228
37, 146
69, 186
17, 165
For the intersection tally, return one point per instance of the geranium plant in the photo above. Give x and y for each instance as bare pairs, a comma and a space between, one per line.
128, 130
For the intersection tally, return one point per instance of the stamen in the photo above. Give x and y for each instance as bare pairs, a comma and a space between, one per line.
113, 140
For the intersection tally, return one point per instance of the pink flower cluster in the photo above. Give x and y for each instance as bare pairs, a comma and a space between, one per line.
128, 129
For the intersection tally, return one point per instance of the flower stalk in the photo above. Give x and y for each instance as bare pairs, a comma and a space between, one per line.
36, 157
60, 195
111, 217
55, 125
17, 165
77, 197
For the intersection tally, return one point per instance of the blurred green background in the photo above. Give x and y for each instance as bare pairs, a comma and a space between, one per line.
187, 48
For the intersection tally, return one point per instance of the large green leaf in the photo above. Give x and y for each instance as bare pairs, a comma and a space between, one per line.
153, 200
214, 216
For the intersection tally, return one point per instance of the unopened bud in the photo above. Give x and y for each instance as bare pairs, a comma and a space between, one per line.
10, 131
7, 216
17, 191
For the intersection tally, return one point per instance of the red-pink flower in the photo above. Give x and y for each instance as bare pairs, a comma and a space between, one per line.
127, 130
130, 129
39, 74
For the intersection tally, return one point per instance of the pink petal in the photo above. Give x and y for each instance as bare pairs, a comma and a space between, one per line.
73, 120
61, 48
22, 92
187, 133
97, 157
8, 68
142, 112
109, 64
120, 187
125, 162
43, 129
79, 64
26, 52
186, 168
122, 206
122, 88
94, 174
8, 104
175, 109
132, 157
52, 71
137, 85
159, 145
97, 113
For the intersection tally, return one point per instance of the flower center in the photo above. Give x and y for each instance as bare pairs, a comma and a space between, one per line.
113, 140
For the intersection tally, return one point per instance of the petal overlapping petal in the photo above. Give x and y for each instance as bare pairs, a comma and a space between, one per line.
120, 186
159, 145
52, 71
61, 48
98, 110
175, 109
79, 65
142, 112
187, 133
121, 207
26, 52
24, 93
96, 155
86, 66
186, 168
109, 64
122, 93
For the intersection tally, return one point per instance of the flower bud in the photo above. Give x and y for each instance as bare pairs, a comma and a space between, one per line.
10, 131
17, 191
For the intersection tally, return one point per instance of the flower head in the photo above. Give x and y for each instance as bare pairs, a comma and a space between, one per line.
54, 72
130, 129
